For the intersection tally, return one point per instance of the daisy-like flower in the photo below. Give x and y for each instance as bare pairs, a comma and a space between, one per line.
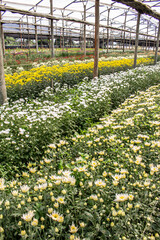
47, 161
24, 188
42, 186
147, 183
15, 193
34, 222
66, 173
28, 216
55, 215
138, 160
2, 186
41, 180
73, 228
100, 183
25, 174
94, 163
154, 169
32, 170
94, 197
60, 199
117, 177
81, 169
124, 171
121, 197
60, 219
53, 146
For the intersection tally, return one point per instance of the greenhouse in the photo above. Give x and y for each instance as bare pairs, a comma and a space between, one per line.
80, 119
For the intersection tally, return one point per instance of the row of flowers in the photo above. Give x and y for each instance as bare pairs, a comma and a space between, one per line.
102, 184
27, 126
30, 83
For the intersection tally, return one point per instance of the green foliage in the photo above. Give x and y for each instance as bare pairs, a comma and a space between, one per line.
102, 184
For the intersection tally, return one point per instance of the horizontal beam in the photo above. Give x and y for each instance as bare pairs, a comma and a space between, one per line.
48, 16
140, 7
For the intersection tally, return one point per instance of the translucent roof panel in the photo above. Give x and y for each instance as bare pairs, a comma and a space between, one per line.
113, 14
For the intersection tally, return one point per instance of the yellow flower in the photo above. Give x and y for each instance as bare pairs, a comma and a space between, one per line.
15, 193
82, 224
1, 229
23, 233
28, 216
25, 188
73, 228
121, 197
60, 199
34, 222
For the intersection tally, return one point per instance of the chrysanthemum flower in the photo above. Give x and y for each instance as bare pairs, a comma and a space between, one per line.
28, 216
121, 197
24, 188
73, 228
100, 183
2, 186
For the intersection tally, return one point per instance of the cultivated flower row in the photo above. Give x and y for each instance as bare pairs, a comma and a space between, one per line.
102, 184
27, 126
30, 83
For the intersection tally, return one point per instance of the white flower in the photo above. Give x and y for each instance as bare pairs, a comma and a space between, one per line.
73, 228
24, 188
2, 186
28, 216
15, 193
42, 186
100, 183
121, 197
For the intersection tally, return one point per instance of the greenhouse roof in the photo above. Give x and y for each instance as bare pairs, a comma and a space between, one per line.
115, 15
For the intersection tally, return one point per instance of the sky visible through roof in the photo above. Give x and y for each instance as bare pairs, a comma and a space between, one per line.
117, 14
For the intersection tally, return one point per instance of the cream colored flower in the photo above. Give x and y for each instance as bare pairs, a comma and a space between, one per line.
2, 186
100, 183
60, 199
34, 222
28, 216
24, 188
73, 228
121, 197
55, 215
15, 193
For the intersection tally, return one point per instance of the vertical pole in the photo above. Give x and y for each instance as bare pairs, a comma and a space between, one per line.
36, 36
62, 32
136, 41
52, 37
2, 33
155, 39
108, 30
3, 92
84, 30
3, 41
28, 33
157, 44
147, 36
67, 36
21, 33
96, 56
60, 37
124, 33
41, 32
103, 38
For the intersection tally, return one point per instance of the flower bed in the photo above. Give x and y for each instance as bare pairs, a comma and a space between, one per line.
30, 83
103, 184
28, 126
